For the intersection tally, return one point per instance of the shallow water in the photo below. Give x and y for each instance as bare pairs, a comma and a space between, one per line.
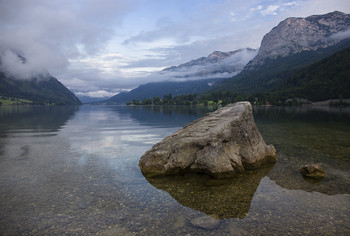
74, 171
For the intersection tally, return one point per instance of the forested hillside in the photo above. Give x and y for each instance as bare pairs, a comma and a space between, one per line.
328, 78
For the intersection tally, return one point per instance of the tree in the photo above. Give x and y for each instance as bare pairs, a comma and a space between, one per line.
157, 101
136, 102
146, 101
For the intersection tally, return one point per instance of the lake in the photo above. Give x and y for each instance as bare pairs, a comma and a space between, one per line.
74, 171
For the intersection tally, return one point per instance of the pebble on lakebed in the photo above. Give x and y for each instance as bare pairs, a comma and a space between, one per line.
314, 171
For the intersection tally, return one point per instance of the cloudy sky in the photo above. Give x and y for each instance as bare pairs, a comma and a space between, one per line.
102, 47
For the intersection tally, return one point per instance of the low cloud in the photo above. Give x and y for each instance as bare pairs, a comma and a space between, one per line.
341, 35
18, 67
224, 68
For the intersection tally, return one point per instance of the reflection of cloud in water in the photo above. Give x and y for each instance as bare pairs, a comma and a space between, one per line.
112, 138
141, 138
115, 145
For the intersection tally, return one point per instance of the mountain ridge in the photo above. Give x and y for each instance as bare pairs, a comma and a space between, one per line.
159, 89
282, 54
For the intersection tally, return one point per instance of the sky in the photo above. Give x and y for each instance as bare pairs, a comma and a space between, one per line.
99, 48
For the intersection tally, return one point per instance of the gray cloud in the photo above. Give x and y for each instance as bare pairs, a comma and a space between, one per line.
15, 65
50, 33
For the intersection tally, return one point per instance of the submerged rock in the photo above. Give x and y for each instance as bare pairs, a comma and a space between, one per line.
222, 144
314, 171
206, 222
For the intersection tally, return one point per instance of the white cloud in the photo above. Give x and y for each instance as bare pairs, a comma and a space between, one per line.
270, 10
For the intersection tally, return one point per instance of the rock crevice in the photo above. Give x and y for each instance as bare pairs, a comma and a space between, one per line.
222, 144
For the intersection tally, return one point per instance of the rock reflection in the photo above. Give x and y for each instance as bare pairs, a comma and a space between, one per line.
222, 199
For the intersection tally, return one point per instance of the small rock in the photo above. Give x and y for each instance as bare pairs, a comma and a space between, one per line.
179, 222
206, 222
235, 229
314, 171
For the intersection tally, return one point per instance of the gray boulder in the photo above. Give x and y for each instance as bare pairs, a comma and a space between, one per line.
222, 144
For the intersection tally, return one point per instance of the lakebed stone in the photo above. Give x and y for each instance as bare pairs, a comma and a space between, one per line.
314, 171
222, 144
206, 222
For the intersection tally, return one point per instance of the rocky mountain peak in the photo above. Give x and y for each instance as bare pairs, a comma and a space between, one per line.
220, 55
294, 35
216, 65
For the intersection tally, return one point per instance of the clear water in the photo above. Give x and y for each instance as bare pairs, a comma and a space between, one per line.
74, 171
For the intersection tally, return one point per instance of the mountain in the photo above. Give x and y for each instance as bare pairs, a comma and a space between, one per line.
40, 88
326, 79
296, 35
292, 45
216, 65
159, 89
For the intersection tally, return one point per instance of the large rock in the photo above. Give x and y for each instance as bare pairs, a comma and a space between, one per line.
222, 144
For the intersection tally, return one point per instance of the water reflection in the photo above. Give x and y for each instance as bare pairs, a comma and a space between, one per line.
222, 199
163, 116
30, 121
34, 118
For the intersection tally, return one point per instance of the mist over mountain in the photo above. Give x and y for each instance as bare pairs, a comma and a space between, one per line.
216, 65
21, 79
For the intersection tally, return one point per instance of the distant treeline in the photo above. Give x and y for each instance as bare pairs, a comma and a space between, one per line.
222, 98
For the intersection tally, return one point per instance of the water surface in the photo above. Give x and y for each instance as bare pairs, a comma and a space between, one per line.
74, 170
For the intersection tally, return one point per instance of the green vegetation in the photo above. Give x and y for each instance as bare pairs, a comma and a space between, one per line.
9, 101
190, 99
326, 79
